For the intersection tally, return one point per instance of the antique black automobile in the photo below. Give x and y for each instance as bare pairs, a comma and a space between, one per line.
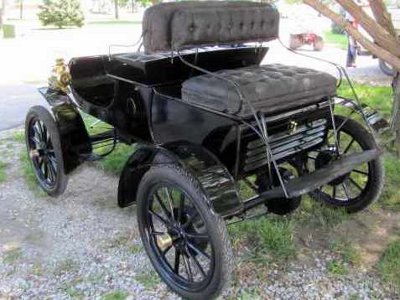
205, 115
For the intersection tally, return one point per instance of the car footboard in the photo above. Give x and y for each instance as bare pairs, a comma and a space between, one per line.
310, 182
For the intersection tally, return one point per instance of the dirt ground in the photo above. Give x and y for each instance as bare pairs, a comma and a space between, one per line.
83, 246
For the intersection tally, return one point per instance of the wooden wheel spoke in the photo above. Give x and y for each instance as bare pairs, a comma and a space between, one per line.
35, 140
197, 236
346, 190
52, 171
177, 261
198, 251
355, 184
349, 146
190, 219
37, 131
160, 218
165, 251
360, 172
181, 206
45, 169
171, 205
197, 263
163, 207
334, 192
153, 232
188, 268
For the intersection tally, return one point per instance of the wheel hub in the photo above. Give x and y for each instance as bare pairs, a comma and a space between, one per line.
164, 241
325, 158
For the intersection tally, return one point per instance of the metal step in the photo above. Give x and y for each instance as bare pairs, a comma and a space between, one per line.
310, 182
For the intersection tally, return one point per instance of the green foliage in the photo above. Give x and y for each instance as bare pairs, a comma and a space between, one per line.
337, 268
391, 193
348, 252
269, 238
319, 215
148, 279
61, 13
19, 136
116, 295
114, 162
29, 174
12, 256
389, 265
378, 97
336, 39
2, 171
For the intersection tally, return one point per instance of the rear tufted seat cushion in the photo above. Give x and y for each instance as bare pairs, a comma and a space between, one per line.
186, 24
269, 88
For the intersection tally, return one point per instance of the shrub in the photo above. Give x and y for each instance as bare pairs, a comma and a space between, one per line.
61, 13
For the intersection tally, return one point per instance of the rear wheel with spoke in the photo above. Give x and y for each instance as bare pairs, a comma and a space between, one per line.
44, 149
359, 188
187, 243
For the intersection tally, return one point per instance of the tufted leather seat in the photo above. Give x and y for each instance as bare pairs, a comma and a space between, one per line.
269, 88
187, 24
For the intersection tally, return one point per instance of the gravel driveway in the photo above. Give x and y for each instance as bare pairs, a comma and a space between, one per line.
82, 245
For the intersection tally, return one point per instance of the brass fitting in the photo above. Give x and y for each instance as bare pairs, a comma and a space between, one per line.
60, 77
164, 241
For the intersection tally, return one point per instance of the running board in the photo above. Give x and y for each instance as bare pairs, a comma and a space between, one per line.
310, 182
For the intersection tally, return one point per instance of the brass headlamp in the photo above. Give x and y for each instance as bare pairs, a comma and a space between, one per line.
60, 77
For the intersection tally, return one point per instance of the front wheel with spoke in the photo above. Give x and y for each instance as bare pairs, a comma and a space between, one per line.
44, 150
185, 240
359, 188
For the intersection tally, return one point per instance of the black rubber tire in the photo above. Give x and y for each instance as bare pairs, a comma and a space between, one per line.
386, 68
374, 186
280, 206
42, 114
176, 175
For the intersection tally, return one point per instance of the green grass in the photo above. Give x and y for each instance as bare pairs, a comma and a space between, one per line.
269, 238
312, 212
116, 295
12, 256
148, 279
390, 198
337, 40
337, 268
29, 175
19, 136
114, 162
347, 250
379, 98
3, 176
389, 265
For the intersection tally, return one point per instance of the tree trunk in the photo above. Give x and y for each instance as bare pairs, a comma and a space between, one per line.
372, 47
377, 32
387, 45
383, 17
116, 9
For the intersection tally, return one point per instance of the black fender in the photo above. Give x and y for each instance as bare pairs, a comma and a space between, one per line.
214, 178
75, 141
375, 120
